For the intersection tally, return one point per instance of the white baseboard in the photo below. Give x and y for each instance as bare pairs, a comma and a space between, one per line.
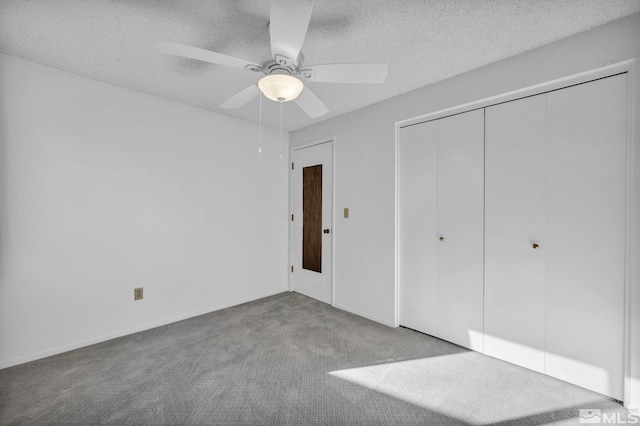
104, 338
367, 316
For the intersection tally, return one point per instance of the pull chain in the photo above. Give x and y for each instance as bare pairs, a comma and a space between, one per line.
281, 102
260, 127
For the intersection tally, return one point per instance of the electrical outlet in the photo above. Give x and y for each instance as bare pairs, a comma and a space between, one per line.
137, 293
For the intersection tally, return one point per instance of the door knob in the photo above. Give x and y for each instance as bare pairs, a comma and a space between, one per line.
441, 238
535, 246
326, 231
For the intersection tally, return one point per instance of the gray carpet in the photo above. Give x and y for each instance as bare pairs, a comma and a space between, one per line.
284, 360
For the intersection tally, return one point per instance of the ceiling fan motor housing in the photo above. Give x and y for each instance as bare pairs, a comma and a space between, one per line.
282, 65
285, 88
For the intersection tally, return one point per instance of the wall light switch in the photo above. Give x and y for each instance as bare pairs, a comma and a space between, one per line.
346, 212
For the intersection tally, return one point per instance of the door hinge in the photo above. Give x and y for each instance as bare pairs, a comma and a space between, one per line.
291, 166
291, 268
291, 218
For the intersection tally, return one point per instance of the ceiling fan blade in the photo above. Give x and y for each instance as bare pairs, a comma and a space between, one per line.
345, 73
311, 104
288, 27
205, 55
241, 98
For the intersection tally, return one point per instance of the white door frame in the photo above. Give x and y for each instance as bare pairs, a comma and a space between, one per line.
632, 273
330, 140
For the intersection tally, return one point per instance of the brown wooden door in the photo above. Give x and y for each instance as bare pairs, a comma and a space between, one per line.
312, 225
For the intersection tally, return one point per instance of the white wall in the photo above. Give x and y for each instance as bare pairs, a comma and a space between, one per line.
365, 163
104, 189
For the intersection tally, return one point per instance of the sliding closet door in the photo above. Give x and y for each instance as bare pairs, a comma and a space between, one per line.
586, 169
460, 228
417, 189
514, 222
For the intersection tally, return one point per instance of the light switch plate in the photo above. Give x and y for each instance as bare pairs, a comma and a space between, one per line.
137, 293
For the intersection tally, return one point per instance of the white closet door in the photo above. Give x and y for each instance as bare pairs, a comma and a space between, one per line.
460, 225
417, 186
514, 221
586, 234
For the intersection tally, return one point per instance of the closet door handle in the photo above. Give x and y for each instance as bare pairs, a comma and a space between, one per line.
535, 246
441, 238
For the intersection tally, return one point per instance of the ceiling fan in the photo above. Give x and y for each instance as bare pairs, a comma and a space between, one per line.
285, 70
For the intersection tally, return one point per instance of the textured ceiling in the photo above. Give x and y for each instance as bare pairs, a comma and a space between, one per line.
423, 41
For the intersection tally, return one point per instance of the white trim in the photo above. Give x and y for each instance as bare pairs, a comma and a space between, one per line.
314, 143
367, 316
332, 141
333, 221
536, 89
290, 227
630, 243
629, 67
110, 336
396, 293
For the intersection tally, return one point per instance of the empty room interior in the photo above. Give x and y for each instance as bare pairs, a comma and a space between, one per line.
303, 212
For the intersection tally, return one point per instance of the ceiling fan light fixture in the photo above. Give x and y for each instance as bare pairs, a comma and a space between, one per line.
280, 87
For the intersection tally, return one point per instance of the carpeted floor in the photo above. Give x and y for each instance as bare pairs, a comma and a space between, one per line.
284, 360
